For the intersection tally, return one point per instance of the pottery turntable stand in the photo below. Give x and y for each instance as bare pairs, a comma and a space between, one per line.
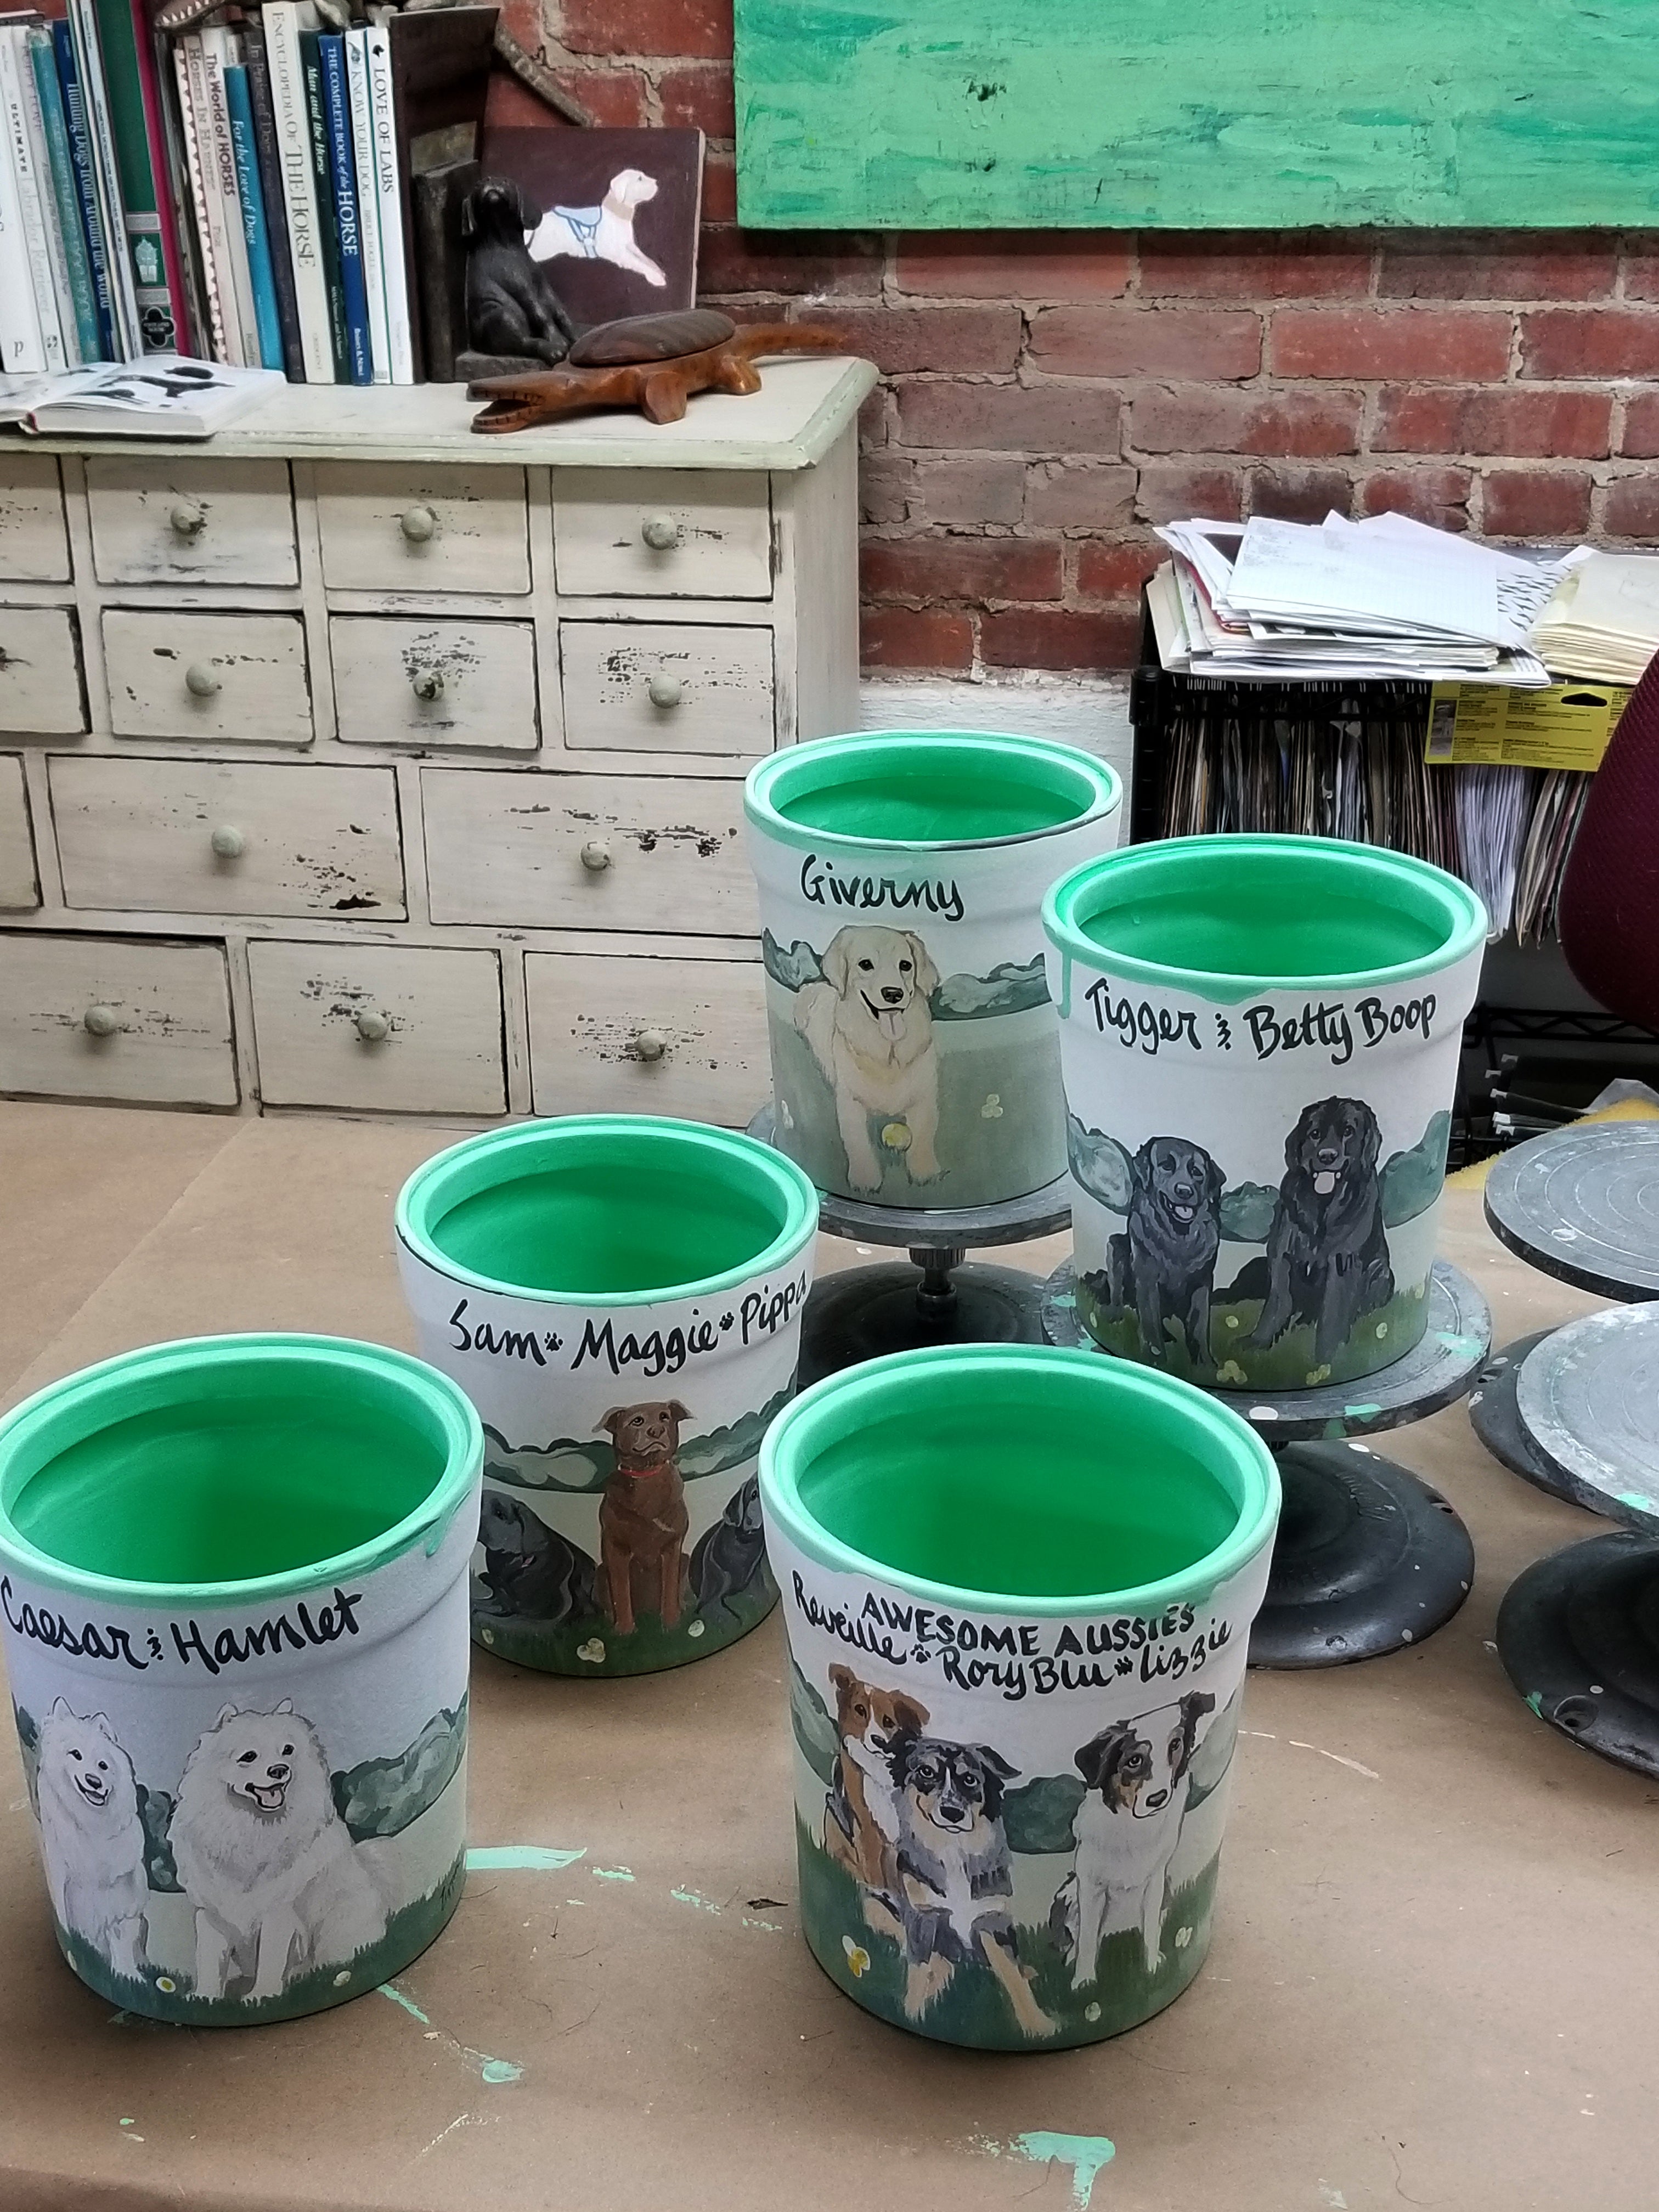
1575, 1412
1368, 1556
939, 1297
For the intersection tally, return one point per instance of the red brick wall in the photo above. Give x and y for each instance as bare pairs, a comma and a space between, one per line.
1046, 398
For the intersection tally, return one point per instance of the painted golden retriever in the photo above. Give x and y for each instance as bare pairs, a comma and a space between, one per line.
871, 1030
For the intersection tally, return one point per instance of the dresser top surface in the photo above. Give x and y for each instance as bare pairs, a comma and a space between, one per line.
791, 422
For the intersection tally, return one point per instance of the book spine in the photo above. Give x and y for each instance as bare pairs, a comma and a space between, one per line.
88, 54
310, 63
343, 178
161, 317
369, 204
209, 202
45, 180
214, 55
271, 190
20, 349
20, 154
149, 96
377, 49
86, 189
288, 94
186, 228
50, 94
253, 215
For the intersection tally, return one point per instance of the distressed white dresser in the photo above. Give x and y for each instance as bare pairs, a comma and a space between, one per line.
353, 761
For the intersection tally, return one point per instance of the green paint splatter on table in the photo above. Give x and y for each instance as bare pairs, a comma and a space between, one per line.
520, 1858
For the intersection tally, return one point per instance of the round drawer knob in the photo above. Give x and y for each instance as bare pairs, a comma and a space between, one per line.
596, 856
649, 1044
660, 532
428, 684
418, 524
372, 1028
228, 844
665, 690
187, 518
200, 681
101, 1021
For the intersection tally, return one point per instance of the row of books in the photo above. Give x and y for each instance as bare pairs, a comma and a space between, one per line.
240, 191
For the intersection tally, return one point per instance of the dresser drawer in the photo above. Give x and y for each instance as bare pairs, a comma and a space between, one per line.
398, 1028
212, 522
697, 534
434, 683
20, 886
610, 1034
183, 836
667, 687
224, 678
41, 690
34, 540
588, 851
95, 1017
396, 526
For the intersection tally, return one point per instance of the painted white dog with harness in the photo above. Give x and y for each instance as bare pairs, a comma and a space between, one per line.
604, 233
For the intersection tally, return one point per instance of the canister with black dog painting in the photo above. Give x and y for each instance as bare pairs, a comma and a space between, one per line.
1018, 1586
915, 1058
621, 1298
1260, 1040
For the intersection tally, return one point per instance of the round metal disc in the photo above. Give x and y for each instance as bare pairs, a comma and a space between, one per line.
861, 1313
1369, 1559
1434, 1372
1578, 1635
1589, 1404
1583, 1204
1496, 1419
1011, 1221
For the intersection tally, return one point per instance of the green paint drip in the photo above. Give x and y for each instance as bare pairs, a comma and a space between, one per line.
612, 1873
520, 1858
1085, 2154
390, 1990
1360, 1413
1636, 1502
1535, 1700
498, 2072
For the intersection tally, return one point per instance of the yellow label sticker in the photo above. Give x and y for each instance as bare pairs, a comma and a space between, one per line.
1566, 726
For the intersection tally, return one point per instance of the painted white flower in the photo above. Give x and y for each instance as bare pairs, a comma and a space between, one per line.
1381, 1329
1183, 1937
1091, 2011
166, 1984
858, 1958
1316, 1375
486, 1635
593, 1651
992, 1109
696, 1628
896, 1135
1232, 1320
343, 1978
1230, 1371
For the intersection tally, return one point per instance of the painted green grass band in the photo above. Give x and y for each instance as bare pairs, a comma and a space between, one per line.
764, 1179
856, 1400
925, 790
201, 1371
1422, 920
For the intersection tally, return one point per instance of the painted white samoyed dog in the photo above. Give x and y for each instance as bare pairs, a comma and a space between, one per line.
277, 1884
91, 1836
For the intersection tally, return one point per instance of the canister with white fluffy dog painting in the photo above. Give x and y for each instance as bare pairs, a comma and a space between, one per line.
915, 1052
233, 1599
1260, 1038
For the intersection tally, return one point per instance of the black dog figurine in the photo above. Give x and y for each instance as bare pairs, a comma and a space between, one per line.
512, 313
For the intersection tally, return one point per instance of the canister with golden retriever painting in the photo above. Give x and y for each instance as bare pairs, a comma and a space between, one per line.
1260, 1037
621, 1298
915, 1056
233, 1600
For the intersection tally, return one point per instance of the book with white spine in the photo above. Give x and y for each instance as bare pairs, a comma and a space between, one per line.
287, 98
215, 216
21, 350
399, 306
197, 170
57, 253
15, 64
368, 202
217, 50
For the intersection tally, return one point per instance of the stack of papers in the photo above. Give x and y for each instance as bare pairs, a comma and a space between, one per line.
1556, 814
1602, 621
1385, 598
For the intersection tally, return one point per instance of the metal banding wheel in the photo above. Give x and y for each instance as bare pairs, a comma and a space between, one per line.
1582, 1204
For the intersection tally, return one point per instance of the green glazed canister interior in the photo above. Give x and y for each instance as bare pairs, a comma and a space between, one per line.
905, 788
613, 1209
1020, 1480
1228, 917
231, 1468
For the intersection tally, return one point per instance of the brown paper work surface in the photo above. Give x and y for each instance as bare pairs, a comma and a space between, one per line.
1432, 1981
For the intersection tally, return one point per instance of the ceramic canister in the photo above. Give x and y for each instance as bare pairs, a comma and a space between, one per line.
1018, 1586
233, 1585
621, 1299
915, 1057
1260, 1037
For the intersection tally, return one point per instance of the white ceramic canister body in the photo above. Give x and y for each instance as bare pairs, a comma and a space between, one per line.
914, 1055
1260, 1040
233, 1600
621, 1298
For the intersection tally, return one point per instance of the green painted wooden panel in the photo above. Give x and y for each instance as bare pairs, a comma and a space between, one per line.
941, 114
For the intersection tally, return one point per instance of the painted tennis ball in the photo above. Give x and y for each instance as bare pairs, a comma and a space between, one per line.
896, 1135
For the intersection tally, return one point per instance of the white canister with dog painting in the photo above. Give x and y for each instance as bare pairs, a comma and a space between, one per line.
233, 1599
914, 1053
621, 1298
1260, 1036
1018, 1586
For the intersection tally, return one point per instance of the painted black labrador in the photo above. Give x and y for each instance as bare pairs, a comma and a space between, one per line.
1162, 1267
1327, 1250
